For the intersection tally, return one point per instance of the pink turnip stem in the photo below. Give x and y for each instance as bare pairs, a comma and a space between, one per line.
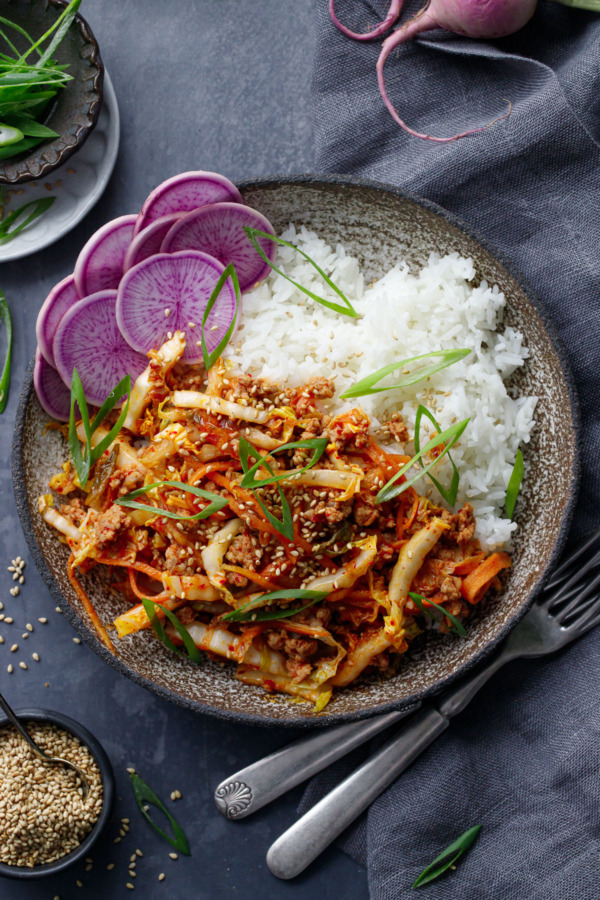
392, 17
422, 21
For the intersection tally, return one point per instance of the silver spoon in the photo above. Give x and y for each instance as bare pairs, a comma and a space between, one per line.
55, 760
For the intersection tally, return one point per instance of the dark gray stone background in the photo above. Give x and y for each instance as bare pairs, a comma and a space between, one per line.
202, 84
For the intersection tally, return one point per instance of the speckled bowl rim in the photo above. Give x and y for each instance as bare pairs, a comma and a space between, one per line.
23, 175
18, 472
22, 873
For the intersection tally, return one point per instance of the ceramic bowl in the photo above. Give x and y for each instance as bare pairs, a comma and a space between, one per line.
378, 224
75, 109
108, 787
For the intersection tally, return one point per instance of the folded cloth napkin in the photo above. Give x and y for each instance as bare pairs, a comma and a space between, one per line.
524, 759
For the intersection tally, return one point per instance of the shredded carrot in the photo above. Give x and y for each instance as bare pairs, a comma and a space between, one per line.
403, 522
88, 606
468, 564
253, 576
477, 582
205, 469
140, 567
156, 598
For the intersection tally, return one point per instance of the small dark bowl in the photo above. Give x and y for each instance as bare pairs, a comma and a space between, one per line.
76, 107
108, 788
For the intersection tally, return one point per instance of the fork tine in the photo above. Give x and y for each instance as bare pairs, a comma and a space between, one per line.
573, 588
579, 605
559, 573
568, 588
589, 620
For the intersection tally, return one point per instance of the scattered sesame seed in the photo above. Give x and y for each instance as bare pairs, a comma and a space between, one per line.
58, 609
79, 883
14, 648
43, 620
88, 868
76, 640
110, 867
162, 876
138, 853
14, 591
10, 669
22, 579
9, 620
29, 627
131, 771
36, 657
173, 856
129, 885
23, 665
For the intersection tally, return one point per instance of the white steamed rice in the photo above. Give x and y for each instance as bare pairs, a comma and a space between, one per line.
288, 337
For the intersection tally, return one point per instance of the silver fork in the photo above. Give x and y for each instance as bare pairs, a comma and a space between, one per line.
568, 609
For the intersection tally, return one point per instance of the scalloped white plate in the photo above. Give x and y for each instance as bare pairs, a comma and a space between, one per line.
77, 185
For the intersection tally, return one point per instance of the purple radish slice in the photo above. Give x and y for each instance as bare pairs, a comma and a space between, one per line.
169, 292
99, 266
54, 397
185, 192
148, 241
59, 300
218, 229
88, 339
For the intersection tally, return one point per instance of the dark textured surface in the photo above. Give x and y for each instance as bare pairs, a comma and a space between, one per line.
74, 111
377, 226
217, 84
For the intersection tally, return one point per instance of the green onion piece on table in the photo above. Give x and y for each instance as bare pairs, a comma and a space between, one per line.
217, 502
211, 358
448, 857
450, 494
448, 437
5, 377
420, 601
591, 5
145, 797
346, 310
85, 459
413, 375
255, 611
514, 483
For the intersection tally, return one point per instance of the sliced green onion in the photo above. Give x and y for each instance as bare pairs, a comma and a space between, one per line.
448, 495
285, 527
23, 145
217, 501
254, 611
9, 135
448, 857
419, 601
448, 437
591, 5
246, 449
38, 208
61, 26
211, 358
144, 795
84, 460
191, 650
30, 127
514, 483
346, 310
5, 377
366, 386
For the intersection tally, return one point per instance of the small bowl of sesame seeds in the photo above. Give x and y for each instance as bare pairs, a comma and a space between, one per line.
45, 823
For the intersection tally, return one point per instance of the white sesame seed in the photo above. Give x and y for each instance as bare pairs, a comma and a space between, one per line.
29, 627
76, 640
43, 620
10, 669
23, 665
173, 856
36, 656
14, 648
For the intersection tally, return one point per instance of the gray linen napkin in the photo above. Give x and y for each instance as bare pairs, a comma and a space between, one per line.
524, 759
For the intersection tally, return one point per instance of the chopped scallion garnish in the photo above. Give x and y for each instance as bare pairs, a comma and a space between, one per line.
450, 494
38, 208
285, 527
211, 358
255, 611
410, 375
514, 483
448, 857
217, 501
191, 650
346, 310
448, 437
5, 377
144, 795
84, 460
245, 449
420, 601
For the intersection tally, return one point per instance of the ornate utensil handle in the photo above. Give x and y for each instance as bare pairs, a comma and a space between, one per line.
260, 783
309, 836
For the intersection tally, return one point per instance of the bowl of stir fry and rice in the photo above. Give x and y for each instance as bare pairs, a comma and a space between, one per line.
312, 590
